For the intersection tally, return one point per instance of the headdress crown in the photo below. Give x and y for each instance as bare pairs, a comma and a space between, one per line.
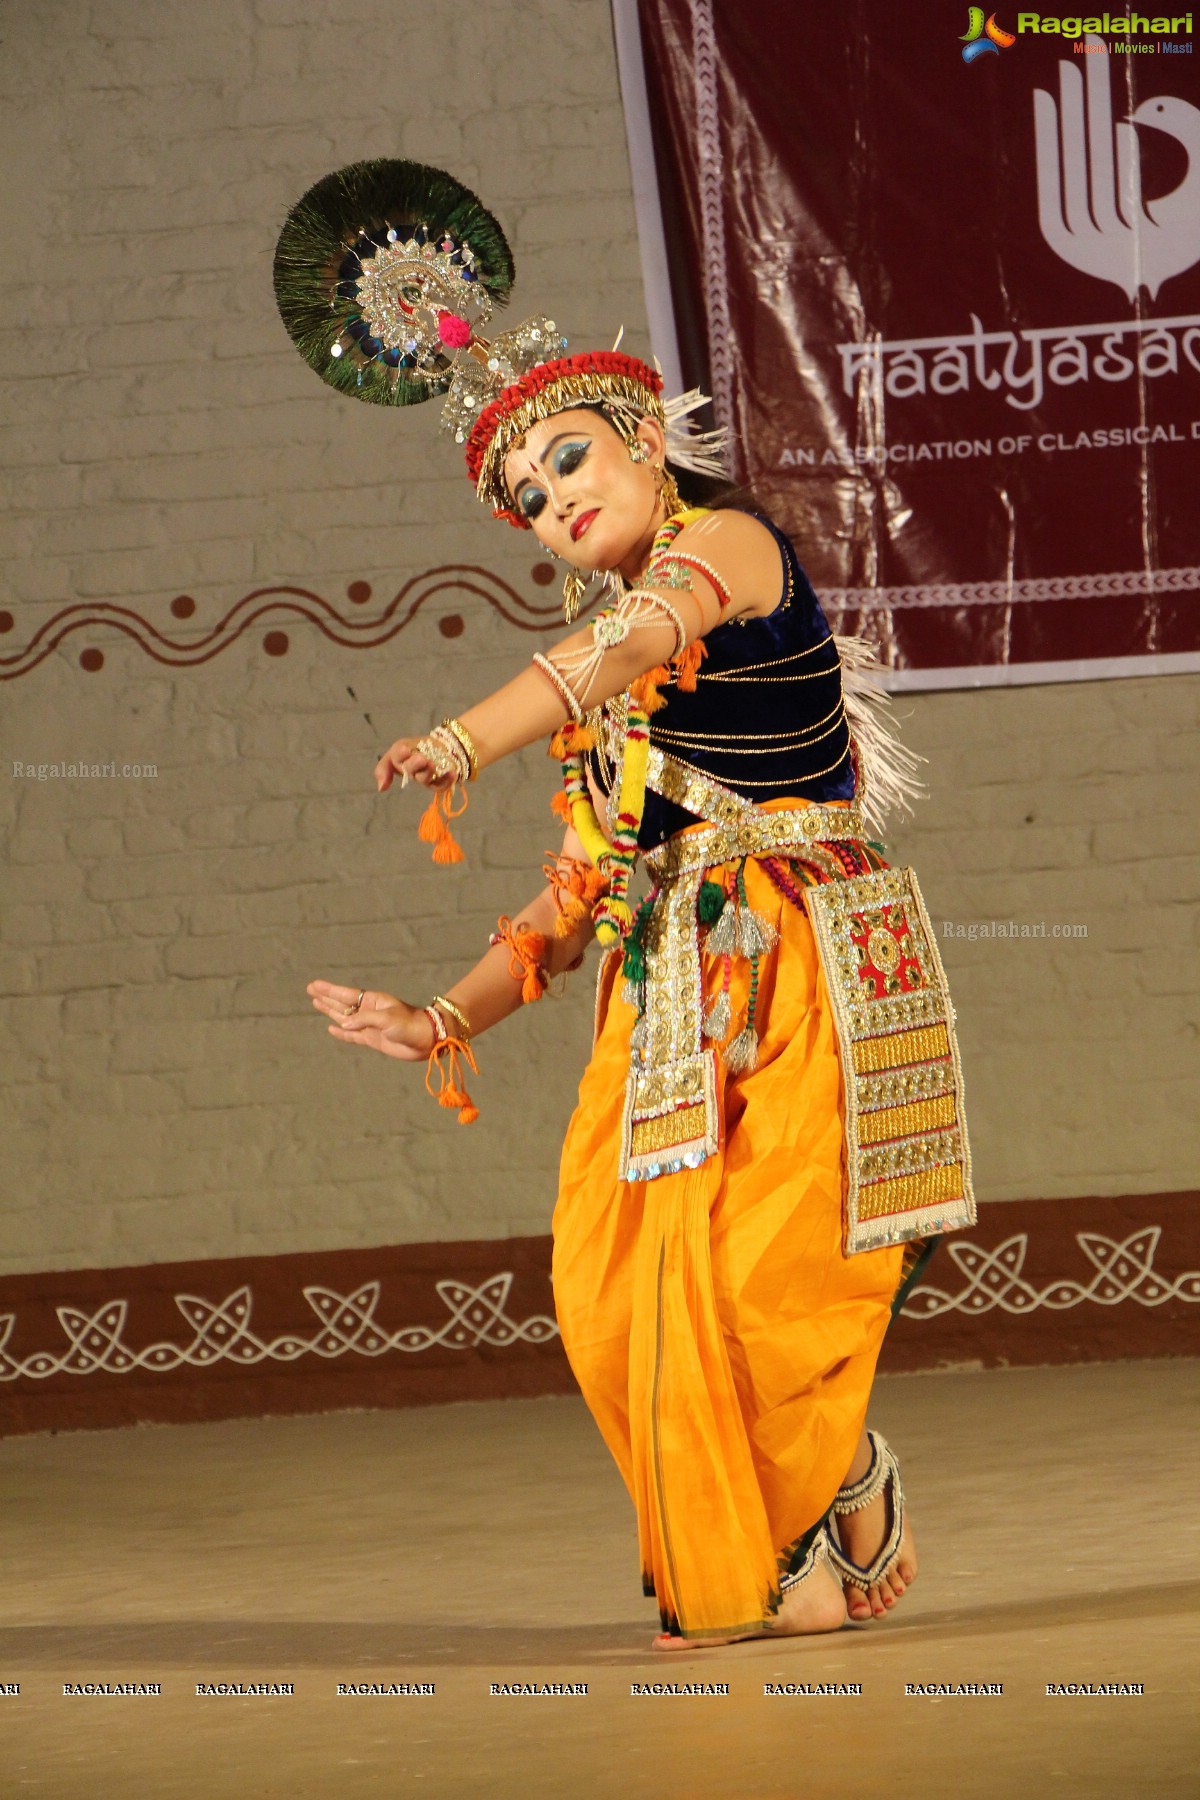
386, 273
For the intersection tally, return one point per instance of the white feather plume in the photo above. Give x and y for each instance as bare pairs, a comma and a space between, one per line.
887, 767
703, 452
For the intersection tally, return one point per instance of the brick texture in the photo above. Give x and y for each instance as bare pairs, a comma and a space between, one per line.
168, 1096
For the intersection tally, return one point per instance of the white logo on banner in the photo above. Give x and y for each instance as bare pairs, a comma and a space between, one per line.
1090, 205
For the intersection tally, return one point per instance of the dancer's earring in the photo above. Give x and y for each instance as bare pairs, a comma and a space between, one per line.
672, 499
638, 452
574, 587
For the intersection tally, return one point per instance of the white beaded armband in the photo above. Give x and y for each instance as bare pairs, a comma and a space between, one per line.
560, 684
637, 610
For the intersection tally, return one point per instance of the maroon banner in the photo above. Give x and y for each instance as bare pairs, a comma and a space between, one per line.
941, 273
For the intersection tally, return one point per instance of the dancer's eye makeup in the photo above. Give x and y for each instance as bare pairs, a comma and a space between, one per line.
566, 455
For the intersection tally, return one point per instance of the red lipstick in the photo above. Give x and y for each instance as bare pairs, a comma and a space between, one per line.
581, 524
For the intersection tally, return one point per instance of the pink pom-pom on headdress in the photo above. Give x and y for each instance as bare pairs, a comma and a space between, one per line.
453, 331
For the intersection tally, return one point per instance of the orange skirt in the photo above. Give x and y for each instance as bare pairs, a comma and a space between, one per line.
724, 1344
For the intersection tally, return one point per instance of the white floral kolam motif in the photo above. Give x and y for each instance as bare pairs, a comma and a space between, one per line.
1123, 1271
222, 1332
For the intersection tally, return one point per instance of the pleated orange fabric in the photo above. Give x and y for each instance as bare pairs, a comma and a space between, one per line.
722, 1341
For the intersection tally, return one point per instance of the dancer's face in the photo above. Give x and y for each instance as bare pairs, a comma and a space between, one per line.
573, 479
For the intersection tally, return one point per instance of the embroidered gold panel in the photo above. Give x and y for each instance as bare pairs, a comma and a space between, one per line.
907, 1158
672, 1120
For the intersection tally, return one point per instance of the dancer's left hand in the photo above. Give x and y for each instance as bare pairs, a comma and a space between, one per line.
410, 763
374, 1021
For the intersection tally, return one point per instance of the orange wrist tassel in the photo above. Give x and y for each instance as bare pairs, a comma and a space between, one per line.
451, 1089
434, 826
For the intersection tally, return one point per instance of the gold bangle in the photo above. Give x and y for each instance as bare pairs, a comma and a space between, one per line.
465, 739
455, 1012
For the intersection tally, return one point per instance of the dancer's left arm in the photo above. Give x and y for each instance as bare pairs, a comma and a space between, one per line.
662, 620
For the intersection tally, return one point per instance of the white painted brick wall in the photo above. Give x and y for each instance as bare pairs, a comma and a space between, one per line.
167, 1094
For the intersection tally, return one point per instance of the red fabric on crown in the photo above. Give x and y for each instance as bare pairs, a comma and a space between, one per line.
590, 362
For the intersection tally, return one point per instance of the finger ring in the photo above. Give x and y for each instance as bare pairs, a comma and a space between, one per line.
353, 1009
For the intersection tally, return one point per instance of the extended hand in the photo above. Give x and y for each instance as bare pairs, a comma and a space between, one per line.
410, 764
376, 1021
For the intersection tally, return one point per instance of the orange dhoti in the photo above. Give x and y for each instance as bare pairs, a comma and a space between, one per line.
724, 1343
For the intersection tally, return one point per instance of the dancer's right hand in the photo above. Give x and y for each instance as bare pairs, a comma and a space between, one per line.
377, 1021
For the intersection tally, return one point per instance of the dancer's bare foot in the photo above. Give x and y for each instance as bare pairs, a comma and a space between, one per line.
861, 1535
814, 1604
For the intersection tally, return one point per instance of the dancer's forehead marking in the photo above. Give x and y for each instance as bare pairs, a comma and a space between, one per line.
546, 448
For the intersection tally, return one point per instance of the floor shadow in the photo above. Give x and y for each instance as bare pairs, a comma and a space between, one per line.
1051, 1612
277, 1647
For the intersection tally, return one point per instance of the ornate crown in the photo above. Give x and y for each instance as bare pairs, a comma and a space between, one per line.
385, 274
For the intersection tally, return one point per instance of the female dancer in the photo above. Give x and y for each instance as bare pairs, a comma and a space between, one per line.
769, 1128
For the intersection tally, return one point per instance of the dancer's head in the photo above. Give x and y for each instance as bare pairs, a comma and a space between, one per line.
593, 491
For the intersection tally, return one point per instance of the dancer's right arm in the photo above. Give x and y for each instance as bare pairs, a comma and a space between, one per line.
486, 994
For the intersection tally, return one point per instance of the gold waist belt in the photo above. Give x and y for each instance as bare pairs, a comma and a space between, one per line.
908, 1164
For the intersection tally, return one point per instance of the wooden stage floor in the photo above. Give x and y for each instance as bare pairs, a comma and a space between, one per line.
464, 1546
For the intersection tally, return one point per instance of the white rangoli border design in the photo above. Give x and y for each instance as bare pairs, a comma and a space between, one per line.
1123, 1271
221, 1332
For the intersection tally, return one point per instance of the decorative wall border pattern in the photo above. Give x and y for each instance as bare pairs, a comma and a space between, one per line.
186, 648
274, 606
222, 1331
1123, 1271
1062, 1281
1120, 582
712, 210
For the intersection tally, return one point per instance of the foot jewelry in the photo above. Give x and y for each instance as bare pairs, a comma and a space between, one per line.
881, 1470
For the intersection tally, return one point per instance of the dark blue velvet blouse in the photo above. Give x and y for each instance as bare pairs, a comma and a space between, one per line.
773, 678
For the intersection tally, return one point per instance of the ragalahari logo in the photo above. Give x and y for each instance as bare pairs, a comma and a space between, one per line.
980, 39
1089, 181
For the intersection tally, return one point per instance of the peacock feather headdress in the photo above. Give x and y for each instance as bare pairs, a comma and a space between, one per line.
386, 273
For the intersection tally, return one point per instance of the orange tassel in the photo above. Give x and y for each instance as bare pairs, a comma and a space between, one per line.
686, 662
526, 952
595, 883
451, 1089
560, 806
572, 739
434, 826
645, 689
575, 892
571, 913
430, 828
